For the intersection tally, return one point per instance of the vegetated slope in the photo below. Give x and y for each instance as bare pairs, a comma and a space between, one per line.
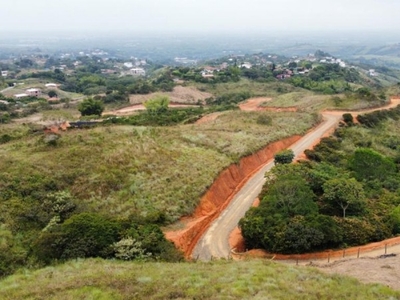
347, 195
180, 94
95, 278
137, 175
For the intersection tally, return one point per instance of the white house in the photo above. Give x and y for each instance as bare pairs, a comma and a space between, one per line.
34, 92
19, 96
4, 73
138, 72
51, 85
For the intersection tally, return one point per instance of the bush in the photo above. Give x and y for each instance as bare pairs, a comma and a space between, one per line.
348, 119
129, 249
90, 107
284, 157
264, 120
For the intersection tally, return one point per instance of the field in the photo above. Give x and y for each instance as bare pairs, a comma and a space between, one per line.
312, 102
180, 94
267, 89
125, 170
98, 279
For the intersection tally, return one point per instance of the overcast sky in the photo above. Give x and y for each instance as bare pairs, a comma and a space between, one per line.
198, 15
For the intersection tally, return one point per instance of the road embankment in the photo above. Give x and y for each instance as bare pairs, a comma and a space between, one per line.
219, 195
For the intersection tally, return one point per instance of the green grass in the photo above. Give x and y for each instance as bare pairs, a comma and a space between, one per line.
98, 279
268, 89
312, 102
125, 170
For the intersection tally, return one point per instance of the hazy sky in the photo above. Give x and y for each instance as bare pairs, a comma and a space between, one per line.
199, 15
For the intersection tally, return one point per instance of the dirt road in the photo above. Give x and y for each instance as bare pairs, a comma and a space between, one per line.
215, 242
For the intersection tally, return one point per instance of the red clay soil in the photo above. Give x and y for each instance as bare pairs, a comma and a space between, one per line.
220, 194
253, 104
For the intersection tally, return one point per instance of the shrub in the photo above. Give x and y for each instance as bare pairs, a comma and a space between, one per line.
264, 120
284, 157
348, 119
129, 249
90, 107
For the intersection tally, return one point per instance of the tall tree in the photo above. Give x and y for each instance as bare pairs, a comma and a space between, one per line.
343, 193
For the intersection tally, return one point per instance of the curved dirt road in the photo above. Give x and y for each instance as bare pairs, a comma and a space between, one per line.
215, 242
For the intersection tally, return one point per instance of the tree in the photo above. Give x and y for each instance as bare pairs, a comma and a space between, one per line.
156, 105
284, 157
348, 119
90, 107
290, 196
344, 192
298, 237
292, 65
371, 165
52, 94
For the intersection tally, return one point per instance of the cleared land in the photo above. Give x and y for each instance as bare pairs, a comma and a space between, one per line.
180, 94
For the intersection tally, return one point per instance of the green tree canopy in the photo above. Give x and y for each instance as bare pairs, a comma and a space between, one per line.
90, 107
368, 164
343, 193
290, 196
284, 157
156, 105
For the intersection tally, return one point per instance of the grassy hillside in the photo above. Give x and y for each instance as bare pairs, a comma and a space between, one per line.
133, 175
127, 170
98, 279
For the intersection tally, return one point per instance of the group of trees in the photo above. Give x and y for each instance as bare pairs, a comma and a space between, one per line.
93, 235
54, 226
343, 196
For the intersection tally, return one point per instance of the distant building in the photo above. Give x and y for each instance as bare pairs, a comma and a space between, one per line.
4, 73
246, 65
128, 64
138, 72
34, 92
51, 85
19, 96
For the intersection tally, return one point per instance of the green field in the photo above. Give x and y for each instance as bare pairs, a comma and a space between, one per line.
124, 170
99, 279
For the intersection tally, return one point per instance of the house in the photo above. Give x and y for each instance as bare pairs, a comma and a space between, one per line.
34, 92
4, 73
19, 96
128, 65
138, 72
246, 65
51, 85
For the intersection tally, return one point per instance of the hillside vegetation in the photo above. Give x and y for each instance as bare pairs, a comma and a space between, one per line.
98, 279
125, 176
346, 195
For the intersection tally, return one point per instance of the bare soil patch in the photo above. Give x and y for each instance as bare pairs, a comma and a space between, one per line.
381, 269
208, 118
137, 107
254, 104
180, 94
